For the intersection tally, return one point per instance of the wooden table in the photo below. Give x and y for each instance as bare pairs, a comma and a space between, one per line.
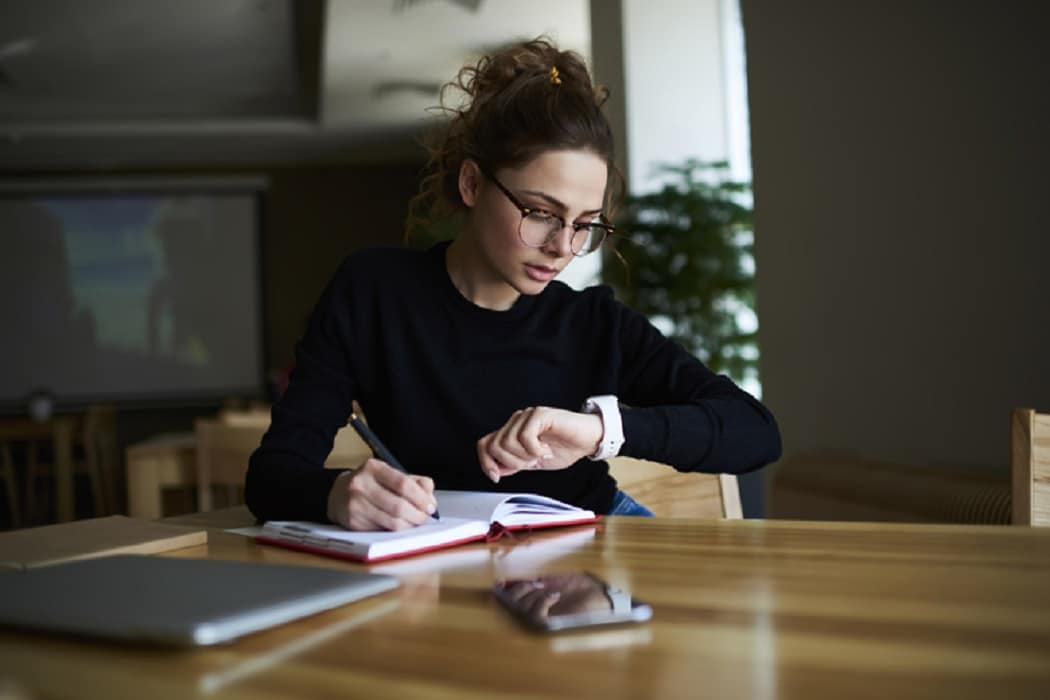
743, 609
59, 430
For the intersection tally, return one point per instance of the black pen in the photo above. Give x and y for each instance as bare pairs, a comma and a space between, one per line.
380, 450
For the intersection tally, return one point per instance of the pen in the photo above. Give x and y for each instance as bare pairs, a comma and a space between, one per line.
379, 449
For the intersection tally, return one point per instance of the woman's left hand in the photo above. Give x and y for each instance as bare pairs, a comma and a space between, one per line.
539, 438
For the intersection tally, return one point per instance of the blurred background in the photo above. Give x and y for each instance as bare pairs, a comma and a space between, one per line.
178, 181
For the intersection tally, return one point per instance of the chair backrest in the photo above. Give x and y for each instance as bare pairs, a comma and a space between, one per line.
670, 493
1030, 468
100, 430
101, 455
223, 451
349, 451
256, 415
7, 476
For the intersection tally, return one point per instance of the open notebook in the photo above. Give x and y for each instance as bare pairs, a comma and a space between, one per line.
466, 516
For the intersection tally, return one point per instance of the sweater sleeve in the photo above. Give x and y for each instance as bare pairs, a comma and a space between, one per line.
286, 478
681, 413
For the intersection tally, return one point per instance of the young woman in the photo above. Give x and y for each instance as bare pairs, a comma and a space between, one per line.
472, 363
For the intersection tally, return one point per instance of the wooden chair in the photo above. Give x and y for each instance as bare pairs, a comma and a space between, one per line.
670, 493
94, 453
7, 475
223, 450
157, 467
1030, 467
225, 444
349, 451
99, 457
253, 415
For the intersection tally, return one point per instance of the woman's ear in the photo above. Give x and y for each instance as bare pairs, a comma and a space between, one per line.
469, 179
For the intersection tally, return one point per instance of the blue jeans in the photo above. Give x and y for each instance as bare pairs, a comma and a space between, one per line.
625, 505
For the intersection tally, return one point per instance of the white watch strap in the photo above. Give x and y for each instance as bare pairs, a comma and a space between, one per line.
608, 407
620, 599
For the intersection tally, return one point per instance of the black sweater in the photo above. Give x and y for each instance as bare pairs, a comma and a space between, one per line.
433, 373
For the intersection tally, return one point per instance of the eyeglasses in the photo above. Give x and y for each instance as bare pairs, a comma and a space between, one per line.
539, 227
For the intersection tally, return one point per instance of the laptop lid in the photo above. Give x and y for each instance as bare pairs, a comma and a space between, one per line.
175, 601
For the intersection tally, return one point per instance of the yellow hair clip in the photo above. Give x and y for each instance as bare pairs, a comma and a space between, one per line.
555, 78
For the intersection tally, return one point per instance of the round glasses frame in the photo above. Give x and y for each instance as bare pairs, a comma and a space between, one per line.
594, 232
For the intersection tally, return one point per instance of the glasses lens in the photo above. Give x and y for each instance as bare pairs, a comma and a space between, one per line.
587, 239
538, 227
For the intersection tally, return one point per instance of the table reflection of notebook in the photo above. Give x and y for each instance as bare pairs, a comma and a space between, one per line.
523, 555
174, 601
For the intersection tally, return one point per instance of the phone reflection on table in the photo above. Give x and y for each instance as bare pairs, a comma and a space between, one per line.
569, 601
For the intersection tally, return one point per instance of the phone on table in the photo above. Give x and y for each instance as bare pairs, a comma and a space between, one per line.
555, 602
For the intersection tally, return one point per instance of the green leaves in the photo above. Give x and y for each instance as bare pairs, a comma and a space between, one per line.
688, 249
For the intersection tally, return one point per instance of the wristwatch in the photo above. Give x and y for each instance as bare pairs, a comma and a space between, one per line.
608, 407
619, 598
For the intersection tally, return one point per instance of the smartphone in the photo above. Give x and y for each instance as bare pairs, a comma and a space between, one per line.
556, 602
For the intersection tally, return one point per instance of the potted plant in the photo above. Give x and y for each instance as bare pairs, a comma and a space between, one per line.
686, 261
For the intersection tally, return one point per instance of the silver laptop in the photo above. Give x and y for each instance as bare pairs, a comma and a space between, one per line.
174, 601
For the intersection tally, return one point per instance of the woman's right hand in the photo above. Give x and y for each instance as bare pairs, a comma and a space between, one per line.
378, 497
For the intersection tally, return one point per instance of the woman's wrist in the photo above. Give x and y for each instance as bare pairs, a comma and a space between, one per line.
338, 496
595, 444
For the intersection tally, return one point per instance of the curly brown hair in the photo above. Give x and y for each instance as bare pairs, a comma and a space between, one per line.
517, 103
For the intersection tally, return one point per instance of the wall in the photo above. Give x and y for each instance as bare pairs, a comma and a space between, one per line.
899, 154
314, 217
674, 85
